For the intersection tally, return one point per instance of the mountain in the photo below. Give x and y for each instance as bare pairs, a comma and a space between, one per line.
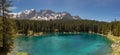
42, 15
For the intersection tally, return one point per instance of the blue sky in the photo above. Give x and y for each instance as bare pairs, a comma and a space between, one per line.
102, 10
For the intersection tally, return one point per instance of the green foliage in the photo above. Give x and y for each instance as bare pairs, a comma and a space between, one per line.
116, 28
68, 26
7, 30
0, 33
10, 33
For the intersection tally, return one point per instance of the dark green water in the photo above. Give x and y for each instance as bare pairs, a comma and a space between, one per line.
63, 44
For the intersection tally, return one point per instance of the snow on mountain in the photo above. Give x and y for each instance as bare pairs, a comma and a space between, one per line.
42, 15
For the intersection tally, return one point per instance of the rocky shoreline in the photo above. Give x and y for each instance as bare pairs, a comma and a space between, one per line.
42, 33
115, 45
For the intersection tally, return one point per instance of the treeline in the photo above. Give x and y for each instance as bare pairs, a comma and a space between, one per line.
24, 26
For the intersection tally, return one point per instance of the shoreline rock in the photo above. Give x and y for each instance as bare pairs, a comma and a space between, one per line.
115, 45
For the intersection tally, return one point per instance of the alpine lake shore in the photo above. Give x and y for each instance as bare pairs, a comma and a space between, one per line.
115, 46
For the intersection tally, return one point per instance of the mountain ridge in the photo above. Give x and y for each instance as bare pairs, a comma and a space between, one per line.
32, 14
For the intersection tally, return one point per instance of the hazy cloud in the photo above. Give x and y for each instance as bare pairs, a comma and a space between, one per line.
12, 8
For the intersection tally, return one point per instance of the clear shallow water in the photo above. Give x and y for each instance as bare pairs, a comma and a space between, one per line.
63, 44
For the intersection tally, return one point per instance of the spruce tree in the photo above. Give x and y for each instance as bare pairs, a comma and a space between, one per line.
7, 31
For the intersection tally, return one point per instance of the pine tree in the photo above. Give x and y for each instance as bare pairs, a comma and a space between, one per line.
7, 26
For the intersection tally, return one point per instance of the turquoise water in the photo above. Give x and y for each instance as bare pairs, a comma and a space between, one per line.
63, 44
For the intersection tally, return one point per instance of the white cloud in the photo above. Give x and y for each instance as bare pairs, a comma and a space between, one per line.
12, 8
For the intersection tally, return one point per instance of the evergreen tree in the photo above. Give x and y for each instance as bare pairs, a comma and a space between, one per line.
7, 26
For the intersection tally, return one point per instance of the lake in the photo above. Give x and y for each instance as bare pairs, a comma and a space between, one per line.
62, 44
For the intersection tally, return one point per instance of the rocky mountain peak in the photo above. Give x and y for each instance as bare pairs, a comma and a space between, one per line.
42, 15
